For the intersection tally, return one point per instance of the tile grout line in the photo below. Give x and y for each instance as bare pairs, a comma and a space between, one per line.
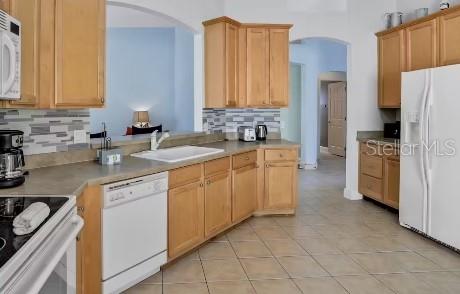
202, 268
244, 270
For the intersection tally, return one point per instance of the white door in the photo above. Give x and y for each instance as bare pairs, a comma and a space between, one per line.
412, 188
337, 124
444, 128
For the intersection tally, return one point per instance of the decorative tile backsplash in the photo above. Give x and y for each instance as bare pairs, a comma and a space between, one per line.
228, 120
47, 131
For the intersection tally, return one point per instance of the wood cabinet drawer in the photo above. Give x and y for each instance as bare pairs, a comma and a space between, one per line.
244, 159
216, 166
184, 175
370, 187
371, 166
370, 149
281, 154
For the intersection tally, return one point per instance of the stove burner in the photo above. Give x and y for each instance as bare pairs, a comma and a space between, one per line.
2, 243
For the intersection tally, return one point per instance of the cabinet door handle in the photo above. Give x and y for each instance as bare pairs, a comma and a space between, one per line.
247, 158
201, 184
281, 155
208, 182
81, 209
267, 165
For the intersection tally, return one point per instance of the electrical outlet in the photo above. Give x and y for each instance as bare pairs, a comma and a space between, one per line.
79, 137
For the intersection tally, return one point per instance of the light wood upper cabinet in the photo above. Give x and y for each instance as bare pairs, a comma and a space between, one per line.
242, 68
246, 65
244, 192
221, 64
422, 45
449, 28
185, 218
392, 62
63, 53
279, 67
258, 67
29, 14
218, 203
391, 183
231, 64
80, 53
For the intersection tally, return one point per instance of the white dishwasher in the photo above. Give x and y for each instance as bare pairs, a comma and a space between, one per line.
134, 231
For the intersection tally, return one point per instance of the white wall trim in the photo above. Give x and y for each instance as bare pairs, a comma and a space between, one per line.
352, 195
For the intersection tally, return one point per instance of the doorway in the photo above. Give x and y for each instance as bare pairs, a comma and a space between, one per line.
332, 113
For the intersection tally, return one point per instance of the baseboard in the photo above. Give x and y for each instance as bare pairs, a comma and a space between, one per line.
323, 149
352, 195
308, 166
274, 212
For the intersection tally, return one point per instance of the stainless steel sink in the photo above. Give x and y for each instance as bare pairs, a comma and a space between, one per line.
177, 154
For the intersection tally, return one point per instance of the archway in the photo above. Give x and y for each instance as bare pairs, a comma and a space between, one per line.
122, 15
317, 55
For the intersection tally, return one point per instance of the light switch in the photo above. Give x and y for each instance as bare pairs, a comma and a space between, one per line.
79, 137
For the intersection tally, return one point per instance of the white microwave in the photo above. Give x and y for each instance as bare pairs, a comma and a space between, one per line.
10, 57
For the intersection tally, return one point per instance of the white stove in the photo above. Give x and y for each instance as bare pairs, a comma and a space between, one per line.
45, 260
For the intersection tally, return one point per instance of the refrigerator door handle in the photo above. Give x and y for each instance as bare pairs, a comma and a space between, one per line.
422, 129
429, 104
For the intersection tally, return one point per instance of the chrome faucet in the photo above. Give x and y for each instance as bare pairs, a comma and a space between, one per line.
154, 144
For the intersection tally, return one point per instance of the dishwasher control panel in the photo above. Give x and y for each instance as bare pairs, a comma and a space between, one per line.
130, 190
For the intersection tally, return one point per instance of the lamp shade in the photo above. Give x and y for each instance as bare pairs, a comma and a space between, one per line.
141, 117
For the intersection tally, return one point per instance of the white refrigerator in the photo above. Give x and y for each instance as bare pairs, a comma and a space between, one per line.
430, 163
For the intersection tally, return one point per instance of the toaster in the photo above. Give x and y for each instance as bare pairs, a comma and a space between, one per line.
247, 134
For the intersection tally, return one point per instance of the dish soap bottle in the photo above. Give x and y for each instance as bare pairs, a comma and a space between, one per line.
445, 4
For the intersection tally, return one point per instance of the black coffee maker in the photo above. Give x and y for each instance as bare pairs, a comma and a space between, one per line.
11, 158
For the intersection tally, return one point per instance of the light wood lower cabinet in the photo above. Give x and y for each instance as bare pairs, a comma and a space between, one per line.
391, 184
89, 250
244, 192
185, 218
203, 201
280, 185
217, 203
379, 174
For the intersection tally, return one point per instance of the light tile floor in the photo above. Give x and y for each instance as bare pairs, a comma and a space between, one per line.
331, 246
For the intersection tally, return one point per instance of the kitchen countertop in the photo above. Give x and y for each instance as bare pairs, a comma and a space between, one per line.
72, 179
